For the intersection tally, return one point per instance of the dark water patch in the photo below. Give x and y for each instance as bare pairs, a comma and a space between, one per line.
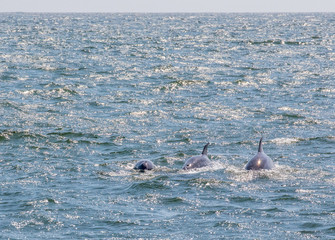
217, 210
3, 137
102, 173
311, 225
292, 116
179, 139
229, 224
293, 43
13, 105
149, 185
124, 151
286, 197
66, 90
90, 142
8, 77
267, 42
72, 134
181, 154
241, 199
96, 104
324, 139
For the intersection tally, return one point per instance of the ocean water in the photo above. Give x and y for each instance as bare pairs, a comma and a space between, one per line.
83, 97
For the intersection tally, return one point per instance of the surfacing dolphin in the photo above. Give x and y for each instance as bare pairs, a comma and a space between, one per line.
260, 160
198, 161
144, 165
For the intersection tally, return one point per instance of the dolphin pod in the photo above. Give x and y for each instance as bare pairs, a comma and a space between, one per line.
258, 162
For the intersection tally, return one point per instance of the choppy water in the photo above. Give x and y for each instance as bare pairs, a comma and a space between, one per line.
83, 97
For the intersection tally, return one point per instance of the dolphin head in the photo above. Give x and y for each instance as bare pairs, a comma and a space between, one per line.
192, 162
196, 162
144, 165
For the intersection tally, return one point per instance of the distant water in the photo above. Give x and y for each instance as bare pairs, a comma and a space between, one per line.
83, 97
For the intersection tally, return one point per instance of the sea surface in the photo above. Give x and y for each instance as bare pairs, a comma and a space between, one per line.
83, 97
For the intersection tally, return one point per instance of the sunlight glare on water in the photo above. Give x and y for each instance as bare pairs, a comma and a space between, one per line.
83, 97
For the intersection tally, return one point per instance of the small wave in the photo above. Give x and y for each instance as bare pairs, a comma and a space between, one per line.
206, 182
231, 225
267, 42
72, 217
74, 134
8, 135
10, 104
281, 141
294, 43
164, 68
331, 180
289, 109
180, 85
59, 92
148, 182
121, 223
324, 90
120, 173
39, 220
173, 200
293, 115
64, 91
139, 113
21, 224
43, 202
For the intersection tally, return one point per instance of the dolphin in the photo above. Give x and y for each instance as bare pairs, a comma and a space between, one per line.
260, 160
144, 165
198, 161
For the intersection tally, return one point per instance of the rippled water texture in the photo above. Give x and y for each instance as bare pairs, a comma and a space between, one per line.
83, 97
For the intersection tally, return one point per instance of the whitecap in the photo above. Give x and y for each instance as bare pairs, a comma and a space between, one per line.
281, 141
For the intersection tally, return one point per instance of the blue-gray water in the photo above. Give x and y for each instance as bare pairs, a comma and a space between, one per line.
83, 97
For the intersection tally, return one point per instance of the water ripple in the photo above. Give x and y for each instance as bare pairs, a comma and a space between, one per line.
85, 96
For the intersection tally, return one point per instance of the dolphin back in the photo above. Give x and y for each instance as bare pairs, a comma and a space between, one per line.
260, 160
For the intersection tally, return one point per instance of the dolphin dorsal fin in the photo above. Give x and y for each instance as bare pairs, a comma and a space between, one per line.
260, 148
204, 152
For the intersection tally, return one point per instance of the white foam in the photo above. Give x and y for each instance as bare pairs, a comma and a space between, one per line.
214, 166
280, 141
279, 172
289, 109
